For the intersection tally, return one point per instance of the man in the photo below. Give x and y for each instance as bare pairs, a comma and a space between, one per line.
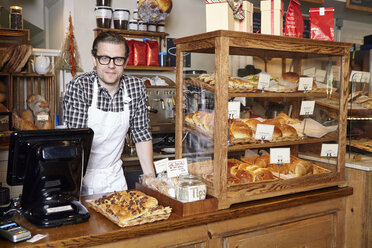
110, 103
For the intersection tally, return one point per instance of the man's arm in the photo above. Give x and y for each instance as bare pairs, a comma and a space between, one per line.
145, 155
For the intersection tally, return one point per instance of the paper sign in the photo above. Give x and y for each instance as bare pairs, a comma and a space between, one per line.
263, 81
307, 107
234, 110
280, 155
329, 150
264, 132
306, 83
161, 165
356, 76
177, 167
42, 117
310, 72
242, 100
320, 75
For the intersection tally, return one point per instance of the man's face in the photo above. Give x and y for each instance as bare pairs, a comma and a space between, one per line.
109, 74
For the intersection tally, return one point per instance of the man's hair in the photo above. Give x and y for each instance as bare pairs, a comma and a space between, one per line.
111, 37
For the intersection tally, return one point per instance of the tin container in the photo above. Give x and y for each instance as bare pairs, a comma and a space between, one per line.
121, 18
15, 17
103, 16
133, 25
142, 26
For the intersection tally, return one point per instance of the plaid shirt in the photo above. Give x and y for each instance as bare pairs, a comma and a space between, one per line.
79, 94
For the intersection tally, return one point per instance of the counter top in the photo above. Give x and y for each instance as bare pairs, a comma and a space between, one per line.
99, 230
365, 164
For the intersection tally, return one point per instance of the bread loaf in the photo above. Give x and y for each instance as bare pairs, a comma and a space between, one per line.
292, 77
288, 132
240, 130
27, 115
21, 124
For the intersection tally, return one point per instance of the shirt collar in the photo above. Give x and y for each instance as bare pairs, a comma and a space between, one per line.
102, 89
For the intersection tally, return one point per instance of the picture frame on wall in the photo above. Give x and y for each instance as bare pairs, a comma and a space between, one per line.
362, 5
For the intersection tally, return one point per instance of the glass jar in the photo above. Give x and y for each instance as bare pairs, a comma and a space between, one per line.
103, 3
151, 27
121, 18
190, 188
103, 16
133, 25
142, 26
15, 17
135, 14
161, 28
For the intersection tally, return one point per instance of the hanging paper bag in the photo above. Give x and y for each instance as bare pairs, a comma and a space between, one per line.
322, 24
294, 23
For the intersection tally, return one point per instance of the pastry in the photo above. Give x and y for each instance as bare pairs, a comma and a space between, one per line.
129, 208
252, 123
288, 132
262, 174
27, 115
285, 119
292, 77
240, 130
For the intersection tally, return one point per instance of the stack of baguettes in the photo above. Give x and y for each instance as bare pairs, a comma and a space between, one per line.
244, 130
259, 169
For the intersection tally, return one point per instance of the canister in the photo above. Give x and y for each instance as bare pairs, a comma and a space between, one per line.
162, 59
142, 26
151, 27
190, 188
133, 25
103, 3
161, 27
121, 18
135, 14
15, 17
103, 16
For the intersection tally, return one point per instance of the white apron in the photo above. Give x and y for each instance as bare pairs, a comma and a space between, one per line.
104, 172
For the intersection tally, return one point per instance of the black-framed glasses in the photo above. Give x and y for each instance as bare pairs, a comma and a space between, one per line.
105, 60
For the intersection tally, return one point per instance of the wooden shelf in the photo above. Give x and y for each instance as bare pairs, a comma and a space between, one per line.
150, 68
134, 33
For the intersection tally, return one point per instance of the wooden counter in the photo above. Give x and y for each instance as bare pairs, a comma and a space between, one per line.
319, 214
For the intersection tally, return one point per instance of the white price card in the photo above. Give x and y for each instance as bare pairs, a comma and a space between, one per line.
263, 81
329, 150
161, 165
306, 83
320, 75
264, 132
234, 110
310, 72
280, 155
307, 107
356, 76
177, 167
42, 117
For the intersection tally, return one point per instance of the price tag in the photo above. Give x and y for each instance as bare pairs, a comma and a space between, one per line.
356, 76
307, 107
242, 100
329, 150
42, 117
320, 75
366, 76
234, 110
280, 155
177, 167
161, 165
310, 72
264, 132
306, 83
263, 81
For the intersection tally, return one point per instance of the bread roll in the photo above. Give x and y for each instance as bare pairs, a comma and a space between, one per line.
21, 124
262, 161
3, 87
300, 167
233, 180
239, 130
285, 119
252, 123
3, 108
244, 176
2, 97
262, 174
27, 115
292, 77
288, 131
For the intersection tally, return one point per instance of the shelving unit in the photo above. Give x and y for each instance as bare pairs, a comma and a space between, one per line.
159, 36
224, 43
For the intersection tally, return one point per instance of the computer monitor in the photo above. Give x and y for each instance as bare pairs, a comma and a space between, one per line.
50, 165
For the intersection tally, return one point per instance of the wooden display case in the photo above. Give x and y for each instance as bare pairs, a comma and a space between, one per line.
225, 43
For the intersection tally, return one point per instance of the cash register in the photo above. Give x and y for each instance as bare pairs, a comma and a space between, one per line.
50, 165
